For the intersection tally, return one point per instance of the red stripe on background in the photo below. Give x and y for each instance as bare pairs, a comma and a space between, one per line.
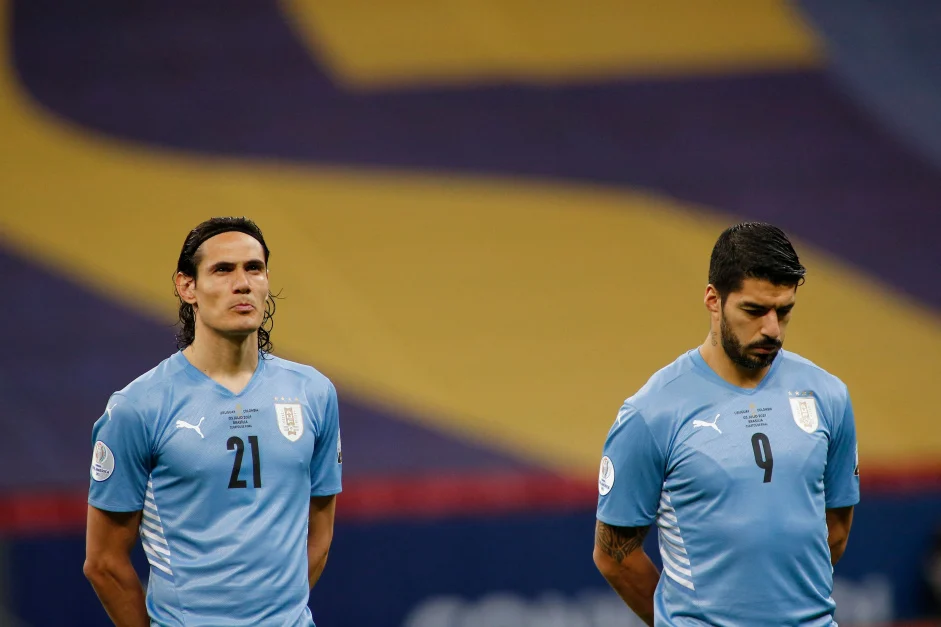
423, 497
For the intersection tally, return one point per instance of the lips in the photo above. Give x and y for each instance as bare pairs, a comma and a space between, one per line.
766, 349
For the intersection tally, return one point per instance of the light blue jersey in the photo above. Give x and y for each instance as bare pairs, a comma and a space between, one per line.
224, 482
737, 481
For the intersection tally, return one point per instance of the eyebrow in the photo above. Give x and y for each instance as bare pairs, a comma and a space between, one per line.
751, 305
232, 264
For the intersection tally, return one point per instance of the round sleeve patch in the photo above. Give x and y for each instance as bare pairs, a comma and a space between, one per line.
605, 476
102, 462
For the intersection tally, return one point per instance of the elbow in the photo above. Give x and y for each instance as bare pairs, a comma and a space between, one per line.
94, 570
98, 570
604, 563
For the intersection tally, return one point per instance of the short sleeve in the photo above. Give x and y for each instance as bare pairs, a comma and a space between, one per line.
841, 476
326, 464
630, 479
121, 458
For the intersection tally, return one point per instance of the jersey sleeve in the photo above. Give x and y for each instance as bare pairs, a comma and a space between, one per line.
841, 476
121, 458
326, 464
632, 471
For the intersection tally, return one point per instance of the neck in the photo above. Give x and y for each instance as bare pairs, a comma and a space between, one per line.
716, 358
221, 356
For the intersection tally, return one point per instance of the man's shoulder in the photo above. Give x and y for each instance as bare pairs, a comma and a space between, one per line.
798, 368
312, 379
141, 390
663, 390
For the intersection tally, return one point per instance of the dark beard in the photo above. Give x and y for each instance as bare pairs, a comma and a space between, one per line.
736, 352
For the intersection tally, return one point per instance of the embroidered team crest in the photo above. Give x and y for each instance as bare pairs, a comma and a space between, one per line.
290, 420
804, 409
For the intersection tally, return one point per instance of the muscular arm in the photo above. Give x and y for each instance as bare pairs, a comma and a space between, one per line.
319, 535
839, 521
108, 542
622, 561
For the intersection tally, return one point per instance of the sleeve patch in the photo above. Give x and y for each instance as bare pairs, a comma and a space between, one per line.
102, 462
605, 476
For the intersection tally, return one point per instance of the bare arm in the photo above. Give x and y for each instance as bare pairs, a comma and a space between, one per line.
108, 542
839, 521
319, 534
622, 561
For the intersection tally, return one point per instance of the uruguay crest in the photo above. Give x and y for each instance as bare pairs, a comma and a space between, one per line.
804, 410
290, 420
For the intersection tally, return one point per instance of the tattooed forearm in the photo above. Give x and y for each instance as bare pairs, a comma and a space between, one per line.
619, 542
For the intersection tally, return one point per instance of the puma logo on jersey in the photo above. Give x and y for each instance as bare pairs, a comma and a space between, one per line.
703, 423
182, 424
108, 409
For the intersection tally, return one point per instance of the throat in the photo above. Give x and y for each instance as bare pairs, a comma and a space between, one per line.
234, 383
233, 370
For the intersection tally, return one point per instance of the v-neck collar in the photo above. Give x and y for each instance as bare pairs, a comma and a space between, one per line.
198, 375
711, 375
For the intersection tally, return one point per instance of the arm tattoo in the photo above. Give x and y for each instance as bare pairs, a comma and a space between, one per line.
619, 542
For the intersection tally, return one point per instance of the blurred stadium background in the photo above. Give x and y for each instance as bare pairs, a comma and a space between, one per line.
490, 222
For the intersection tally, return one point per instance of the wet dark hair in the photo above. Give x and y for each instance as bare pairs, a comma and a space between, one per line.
189, 262
753, 250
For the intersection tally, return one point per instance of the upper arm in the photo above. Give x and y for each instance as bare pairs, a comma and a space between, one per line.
322, 513
839, 521
121, 458
632, 472
617, 544
841, 476
110, 535
326, 463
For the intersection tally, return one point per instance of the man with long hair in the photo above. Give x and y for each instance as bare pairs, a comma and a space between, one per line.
224, 459
743, 454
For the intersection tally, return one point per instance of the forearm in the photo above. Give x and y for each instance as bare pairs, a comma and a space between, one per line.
620, 557
634, 583
316, 561
839, 522
120, 592
836, 551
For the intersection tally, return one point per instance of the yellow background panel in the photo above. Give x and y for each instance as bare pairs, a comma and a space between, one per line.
370, 42
519, 314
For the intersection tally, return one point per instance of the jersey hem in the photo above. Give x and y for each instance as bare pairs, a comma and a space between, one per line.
615, 522
842, 503
327, 491
108, 507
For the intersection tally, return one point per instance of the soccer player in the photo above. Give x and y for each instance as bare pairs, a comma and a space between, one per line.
743, 454
225, 459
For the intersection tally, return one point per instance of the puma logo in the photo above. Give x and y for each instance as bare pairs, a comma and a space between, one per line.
703, 423
108, 409
182, 424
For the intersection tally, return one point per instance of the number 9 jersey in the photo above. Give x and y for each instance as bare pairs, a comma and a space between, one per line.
224, 483
738, 482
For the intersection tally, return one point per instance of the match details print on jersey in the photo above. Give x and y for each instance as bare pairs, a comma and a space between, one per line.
224, 482
737, 482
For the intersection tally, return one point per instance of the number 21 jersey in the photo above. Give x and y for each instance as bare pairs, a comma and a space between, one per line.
224, 483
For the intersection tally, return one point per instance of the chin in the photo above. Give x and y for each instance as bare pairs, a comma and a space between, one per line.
241, 328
